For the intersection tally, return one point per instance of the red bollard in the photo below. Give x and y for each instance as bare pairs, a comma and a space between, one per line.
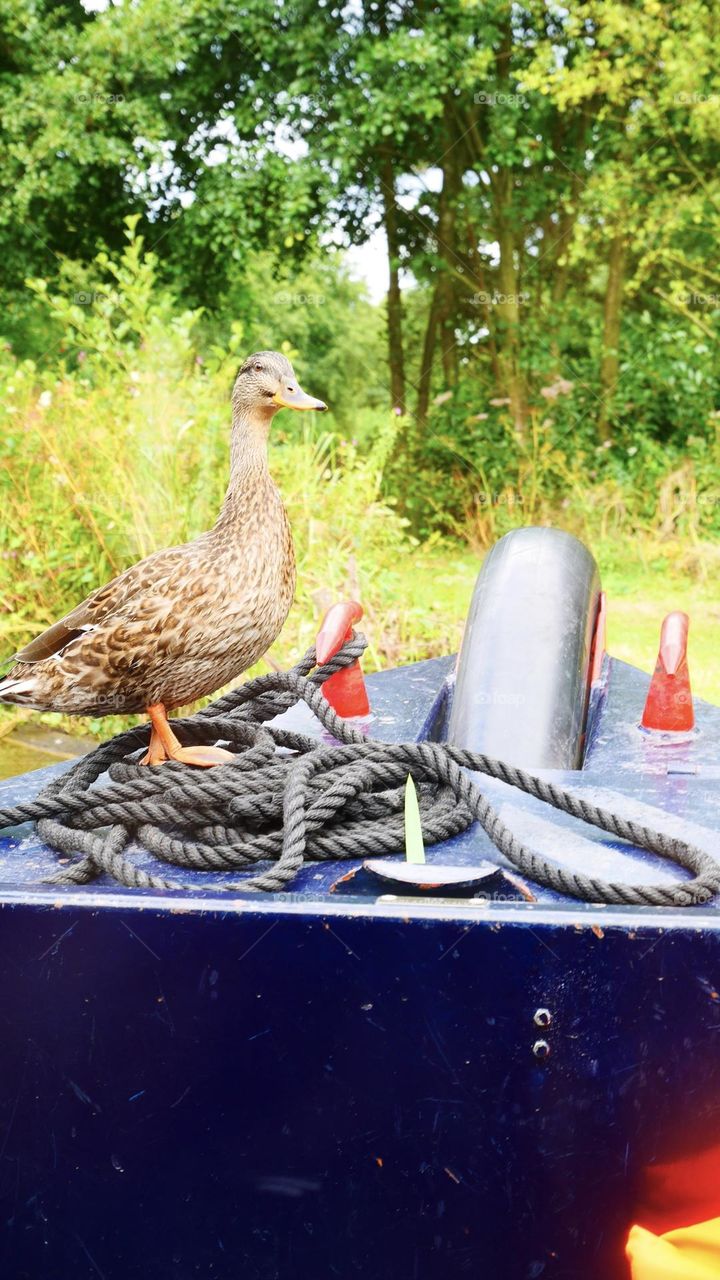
345, 691
599, 640
669, 705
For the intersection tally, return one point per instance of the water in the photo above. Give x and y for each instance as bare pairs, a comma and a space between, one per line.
35, 747
18, 757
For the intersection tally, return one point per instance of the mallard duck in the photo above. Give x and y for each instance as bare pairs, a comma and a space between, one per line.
183, 622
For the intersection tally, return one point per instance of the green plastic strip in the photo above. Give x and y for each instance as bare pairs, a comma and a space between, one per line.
414, 844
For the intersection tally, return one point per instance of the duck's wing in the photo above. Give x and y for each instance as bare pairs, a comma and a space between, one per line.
127, 595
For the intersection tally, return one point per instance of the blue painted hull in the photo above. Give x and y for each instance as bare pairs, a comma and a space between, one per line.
320, 1084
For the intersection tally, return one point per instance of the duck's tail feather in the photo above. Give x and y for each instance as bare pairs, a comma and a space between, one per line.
17, 690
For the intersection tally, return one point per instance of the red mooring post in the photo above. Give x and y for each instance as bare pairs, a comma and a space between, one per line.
669, 705
599, 640
345, 691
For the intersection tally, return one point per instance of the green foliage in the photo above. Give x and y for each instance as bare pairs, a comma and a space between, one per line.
178, 184
120, 445
320, 315
509, 151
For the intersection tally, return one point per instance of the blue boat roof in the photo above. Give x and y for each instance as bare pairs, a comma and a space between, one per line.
672, 787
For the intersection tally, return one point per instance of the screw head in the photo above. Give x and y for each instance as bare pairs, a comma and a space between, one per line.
542, 1018
541, 1049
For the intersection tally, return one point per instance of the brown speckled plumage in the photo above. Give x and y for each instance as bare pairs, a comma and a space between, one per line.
185, 621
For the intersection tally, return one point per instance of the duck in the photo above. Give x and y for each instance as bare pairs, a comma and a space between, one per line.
187, 620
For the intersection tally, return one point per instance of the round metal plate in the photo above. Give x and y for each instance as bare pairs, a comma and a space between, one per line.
431, 877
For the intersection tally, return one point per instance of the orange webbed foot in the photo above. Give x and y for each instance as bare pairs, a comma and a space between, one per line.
203, 757
164, 745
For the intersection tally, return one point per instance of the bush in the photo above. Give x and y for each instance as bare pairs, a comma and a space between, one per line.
120, 446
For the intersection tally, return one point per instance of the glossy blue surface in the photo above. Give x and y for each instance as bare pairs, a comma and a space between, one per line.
317, 1084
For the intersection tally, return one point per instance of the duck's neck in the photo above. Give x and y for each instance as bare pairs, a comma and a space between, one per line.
249, 474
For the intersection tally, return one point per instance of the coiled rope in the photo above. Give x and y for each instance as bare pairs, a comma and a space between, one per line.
308, 801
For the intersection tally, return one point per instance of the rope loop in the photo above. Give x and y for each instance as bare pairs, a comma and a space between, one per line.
288, 798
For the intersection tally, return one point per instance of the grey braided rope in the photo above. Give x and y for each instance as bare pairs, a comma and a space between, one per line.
309, 801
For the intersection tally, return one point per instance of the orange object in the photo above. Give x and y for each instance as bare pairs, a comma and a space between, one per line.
164, 745
345, 691
599, 639
677, 1224
669, 704
677, 1193
688, 1253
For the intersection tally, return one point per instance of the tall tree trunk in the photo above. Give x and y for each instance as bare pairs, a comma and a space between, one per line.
560, 256
425, 380
507, 307
507, 323
449, 351
441, 315
447, 245
477, 273
611, 332
396, 353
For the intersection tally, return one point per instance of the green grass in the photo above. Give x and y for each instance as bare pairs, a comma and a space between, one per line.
419, 599
637, 603
436, 588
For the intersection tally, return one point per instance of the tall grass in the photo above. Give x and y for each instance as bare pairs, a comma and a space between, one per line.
121, 447
662, 505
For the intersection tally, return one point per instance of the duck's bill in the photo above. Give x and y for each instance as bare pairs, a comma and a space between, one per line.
296, 398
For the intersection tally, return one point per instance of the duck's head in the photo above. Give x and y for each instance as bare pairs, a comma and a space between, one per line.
266, 382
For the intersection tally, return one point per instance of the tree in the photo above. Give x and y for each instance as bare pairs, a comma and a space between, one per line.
543, 174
